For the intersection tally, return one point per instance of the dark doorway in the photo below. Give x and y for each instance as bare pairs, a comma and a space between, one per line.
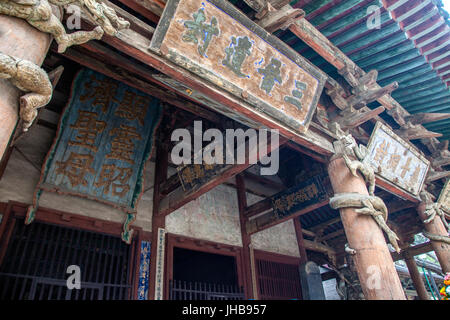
37, 257
200, 275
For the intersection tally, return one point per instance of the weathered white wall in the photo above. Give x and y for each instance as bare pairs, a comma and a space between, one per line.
280, 238
213, 216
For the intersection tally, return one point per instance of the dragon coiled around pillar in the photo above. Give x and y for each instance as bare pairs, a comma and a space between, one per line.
365, 204
433, 209
29, 77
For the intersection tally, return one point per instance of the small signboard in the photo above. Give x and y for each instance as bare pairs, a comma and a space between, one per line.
444, 197
396, 160
308, 192
214, 40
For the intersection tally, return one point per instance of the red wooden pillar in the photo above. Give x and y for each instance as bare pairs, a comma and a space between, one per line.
246, 257
158, 220
21, 40
436, 226
415, 275
300, 242
373, 261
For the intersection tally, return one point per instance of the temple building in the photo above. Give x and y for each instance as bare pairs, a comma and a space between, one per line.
224, 150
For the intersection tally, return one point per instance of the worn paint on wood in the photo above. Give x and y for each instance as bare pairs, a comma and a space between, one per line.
396, 160
104, 139
218, 43
306, 193
205, 100
444, 197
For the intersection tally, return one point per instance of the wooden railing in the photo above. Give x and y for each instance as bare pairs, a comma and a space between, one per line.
187, 290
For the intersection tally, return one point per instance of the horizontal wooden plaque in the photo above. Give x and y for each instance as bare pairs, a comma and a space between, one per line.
396, 160
217, 42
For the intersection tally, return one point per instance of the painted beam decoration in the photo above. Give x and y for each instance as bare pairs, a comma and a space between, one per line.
396, 160
105, 136
308, 192
444, 197
217, 42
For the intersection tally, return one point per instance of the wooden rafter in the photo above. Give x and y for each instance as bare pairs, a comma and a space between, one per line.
179, 197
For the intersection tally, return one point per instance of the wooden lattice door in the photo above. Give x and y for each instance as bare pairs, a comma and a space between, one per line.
278, 278
37, 256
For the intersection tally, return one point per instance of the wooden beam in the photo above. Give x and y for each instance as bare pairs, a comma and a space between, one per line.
420, 118
319, 247
436, 175
179, 197
300, 240
309, 153
158, 221
353, 120
332, 235
280, 19
269, 219
135, 45
414, 132
325, 224
304, 30
117, 71
246, 240
414, 251
150, 9
386, 185
258, 208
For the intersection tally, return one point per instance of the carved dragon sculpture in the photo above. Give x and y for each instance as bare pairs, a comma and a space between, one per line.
432, 209
30, 79
38, 13
368, 205
351, 148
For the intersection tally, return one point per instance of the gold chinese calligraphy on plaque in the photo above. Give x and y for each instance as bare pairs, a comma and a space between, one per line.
220, 44
396, 160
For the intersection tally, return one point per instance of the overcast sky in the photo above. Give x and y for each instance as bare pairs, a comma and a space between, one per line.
446, 5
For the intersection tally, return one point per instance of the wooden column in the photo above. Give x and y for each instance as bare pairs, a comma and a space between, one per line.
373, 261
246, 256
21, 40
158, 220
415, 276
300, 240
436, 226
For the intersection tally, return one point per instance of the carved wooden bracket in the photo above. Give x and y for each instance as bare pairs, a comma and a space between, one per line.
412, 131
441, 157
434, 175
350, 118
364, 89
411, 128
281, 19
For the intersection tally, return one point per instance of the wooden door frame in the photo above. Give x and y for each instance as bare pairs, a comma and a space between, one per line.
179, 241
273, 257
14, 209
